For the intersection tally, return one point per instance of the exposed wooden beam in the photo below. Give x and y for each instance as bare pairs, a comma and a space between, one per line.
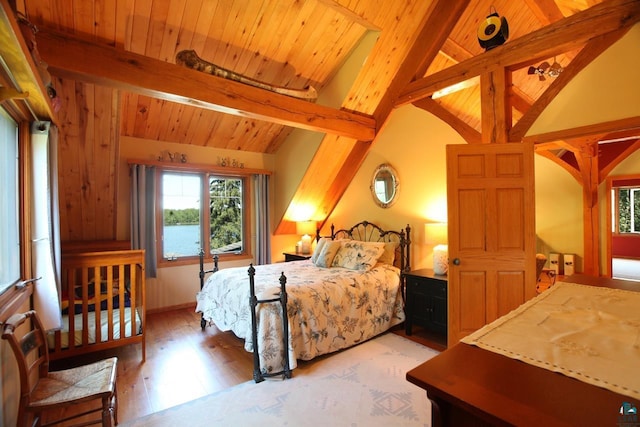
561, 36
606, 170
90, 62
547, 11
443, 17
586, 131
584, 58
564, 165
468, 133
495, 108
424, 44
588, 164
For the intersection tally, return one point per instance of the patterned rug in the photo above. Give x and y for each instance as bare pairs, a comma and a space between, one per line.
361, 386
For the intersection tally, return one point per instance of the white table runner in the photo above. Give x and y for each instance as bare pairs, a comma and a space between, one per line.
585, 332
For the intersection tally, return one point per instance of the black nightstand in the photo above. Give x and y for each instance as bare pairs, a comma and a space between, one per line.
290, 256
426, 302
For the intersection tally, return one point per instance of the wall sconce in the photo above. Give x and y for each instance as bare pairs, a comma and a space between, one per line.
435, 233
306, 229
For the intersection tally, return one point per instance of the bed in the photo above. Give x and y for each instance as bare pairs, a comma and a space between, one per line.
102, 299
487, 379
335, 300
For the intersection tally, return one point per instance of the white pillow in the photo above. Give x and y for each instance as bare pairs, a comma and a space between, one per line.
356, 255
327, 254
318, 249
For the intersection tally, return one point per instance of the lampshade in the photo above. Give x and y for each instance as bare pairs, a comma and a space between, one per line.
435, 233
306, 227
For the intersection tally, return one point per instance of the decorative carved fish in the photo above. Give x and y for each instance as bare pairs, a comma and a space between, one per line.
190, 59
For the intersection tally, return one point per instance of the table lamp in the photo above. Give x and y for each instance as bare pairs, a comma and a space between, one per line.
306, 229
435, 233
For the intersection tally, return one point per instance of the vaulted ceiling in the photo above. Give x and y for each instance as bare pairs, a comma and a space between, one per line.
422, 46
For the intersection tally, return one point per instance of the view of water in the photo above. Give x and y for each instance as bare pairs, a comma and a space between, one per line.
181, 240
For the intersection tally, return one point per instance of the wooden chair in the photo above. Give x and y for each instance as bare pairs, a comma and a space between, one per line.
42, 391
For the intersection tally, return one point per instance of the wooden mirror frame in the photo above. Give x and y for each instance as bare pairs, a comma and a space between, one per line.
385, 172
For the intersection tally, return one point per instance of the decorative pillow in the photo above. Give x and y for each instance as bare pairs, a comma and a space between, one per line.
318, 248
389, 254
356, 255
328, 253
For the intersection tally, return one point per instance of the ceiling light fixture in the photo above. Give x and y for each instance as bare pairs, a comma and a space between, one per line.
545, 69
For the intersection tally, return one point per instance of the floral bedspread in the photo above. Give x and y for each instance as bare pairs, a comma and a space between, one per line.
329, 309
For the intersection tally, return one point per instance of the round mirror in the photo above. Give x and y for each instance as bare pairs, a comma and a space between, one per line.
384, 185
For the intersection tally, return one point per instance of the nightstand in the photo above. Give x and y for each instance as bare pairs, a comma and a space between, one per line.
290, 256
426, 302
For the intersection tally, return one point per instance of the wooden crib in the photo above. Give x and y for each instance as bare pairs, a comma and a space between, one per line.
103, 299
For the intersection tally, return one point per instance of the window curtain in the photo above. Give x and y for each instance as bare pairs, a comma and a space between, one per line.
143, 217
263, 235
45, 224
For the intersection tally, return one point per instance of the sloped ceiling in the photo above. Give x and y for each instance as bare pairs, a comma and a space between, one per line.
423, 46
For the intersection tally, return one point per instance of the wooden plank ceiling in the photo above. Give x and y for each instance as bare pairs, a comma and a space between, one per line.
295, 44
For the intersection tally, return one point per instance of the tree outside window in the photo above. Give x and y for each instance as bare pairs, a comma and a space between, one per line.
628, 210
186, 219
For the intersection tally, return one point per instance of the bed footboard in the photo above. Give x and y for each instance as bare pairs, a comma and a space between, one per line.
103, 302
203, 273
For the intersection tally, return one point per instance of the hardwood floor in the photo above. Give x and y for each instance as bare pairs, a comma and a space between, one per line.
183, 363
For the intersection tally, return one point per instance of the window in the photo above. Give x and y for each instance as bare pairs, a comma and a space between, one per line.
627, 201
195, 205
9, 203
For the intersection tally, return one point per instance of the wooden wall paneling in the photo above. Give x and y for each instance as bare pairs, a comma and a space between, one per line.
154, 118
174, 122
142, 115
277, 53
87, 161
140, 29
163, 110
104, 21
175, 14
248, 45
83, 17
105, 173
124, 22
184, 123
68, 157
197, 127
201, 25
157, 28
128, 102
216, 30
214, 121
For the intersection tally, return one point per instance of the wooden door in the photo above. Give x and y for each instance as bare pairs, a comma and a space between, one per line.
491, 233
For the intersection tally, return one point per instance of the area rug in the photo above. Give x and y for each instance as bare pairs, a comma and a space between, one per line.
362, 386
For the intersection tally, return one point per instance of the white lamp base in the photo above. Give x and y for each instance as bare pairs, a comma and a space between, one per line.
440, 260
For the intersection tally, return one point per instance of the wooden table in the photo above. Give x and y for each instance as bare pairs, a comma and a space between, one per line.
471, 386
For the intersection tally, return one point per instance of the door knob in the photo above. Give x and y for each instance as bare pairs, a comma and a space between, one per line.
456, 261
